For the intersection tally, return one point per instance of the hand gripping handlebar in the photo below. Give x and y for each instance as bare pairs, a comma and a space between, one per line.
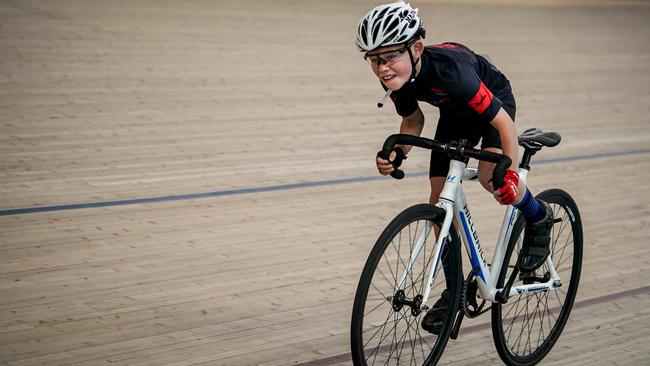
455, 150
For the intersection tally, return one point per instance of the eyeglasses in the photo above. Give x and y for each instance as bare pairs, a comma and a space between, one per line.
385, 58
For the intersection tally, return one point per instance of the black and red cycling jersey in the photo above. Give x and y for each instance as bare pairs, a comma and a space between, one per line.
456, 80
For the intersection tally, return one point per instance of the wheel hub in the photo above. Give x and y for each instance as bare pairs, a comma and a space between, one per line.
399, 300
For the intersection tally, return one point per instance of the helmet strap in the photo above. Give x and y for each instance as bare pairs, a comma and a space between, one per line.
413, 65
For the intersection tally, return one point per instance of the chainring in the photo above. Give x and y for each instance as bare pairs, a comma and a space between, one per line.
469, 298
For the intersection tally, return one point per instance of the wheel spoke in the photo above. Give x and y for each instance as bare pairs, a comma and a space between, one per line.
382, 329
375, 308
374, 285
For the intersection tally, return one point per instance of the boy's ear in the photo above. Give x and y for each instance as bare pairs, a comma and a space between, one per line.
418, 47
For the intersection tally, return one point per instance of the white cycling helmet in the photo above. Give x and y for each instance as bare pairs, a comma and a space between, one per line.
388, 25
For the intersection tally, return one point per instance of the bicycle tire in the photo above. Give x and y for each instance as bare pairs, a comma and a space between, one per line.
400, 339
543, 326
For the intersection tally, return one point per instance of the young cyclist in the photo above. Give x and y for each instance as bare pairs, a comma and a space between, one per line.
475, 102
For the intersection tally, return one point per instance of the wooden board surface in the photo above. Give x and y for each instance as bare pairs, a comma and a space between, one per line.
121, 101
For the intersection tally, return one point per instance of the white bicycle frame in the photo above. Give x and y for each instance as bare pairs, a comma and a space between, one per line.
452, 201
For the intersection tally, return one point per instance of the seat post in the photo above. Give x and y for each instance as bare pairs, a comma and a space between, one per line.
529, 151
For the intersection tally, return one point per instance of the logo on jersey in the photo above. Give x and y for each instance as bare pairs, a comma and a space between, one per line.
438, 97
482, 99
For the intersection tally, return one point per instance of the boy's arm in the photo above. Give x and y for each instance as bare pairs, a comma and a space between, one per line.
514, 189
508, 135
412, 125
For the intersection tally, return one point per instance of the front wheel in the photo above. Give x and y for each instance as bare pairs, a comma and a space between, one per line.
386, 319
527, 326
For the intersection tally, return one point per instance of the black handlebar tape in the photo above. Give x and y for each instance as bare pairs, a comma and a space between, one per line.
403, 139
389, 144
397, 174
492, 157
502, 161
499, 172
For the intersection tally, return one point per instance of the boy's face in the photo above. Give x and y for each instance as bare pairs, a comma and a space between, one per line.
392, 64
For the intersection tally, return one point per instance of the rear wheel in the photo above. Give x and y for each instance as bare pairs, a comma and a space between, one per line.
386, 318
527, 326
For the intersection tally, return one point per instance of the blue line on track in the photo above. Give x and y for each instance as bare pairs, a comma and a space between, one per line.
281, 187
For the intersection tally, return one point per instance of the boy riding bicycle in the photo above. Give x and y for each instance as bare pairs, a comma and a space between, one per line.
475, 102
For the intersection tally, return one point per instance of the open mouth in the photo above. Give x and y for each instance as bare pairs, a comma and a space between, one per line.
387, 77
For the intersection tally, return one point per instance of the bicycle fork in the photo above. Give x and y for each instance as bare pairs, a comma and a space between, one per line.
437, 255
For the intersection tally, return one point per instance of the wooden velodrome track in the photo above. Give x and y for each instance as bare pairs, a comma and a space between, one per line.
194, 184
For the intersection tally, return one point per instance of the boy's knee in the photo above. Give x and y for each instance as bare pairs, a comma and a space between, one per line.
485, 170
485, 178
433, 198
437, 183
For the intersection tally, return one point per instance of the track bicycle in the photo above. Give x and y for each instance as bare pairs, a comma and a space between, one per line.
402, 275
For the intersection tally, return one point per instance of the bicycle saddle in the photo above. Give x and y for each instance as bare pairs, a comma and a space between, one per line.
535, 136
